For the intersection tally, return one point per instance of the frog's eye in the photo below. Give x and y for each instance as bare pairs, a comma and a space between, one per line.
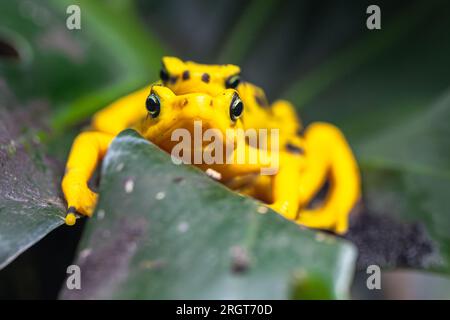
233, 81
236, 108
164, 74
153, 105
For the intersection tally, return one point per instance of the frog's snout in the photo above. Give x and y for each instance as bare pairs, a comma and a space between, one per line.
195, 102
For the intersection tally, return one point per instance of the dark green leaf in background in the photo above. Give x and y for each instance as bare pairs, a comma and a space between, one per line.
408, 173
30, 202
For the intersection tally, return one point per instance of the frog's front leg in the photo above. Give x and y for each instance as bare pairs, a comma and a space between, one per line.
87, 150
329, 155
122, 113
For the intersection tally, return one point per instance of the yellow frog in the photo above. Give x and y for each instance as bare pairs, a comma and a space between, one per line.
190, 77
213, 95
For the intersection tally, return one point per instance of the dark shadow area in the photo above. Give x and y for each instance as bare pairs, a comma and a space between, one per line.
388, 243
39, 273
8, 51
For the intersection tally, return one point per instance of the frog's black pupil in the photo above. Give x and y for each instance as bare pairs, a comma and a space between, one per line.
153, 105
236, 108
232, 82
164, 75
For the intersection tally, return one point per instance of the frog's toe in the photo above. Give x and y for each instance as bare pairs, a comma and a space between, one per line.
73, 210
318, 219
70, 216
283, 208
83, 204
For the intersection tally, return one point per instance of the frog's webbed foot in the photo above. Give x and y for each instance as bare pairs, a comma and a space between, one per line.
79, 199
324, 219
84, 202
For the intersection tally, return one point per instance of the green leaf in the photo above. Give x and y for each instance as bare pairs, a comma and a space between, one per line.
408, 168
30, 204
243, 35
367, 49
178, 234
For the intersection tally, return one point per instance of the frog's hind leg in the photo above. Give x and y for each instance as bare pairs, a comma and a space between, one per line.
333, 158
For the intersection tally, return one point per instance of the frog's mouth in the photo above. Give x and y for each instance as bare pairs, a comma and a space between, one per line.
196, 126
195, 134
197, 141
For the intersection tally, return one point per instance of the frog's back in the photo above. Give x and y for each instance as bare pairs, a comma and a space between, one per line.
259, 114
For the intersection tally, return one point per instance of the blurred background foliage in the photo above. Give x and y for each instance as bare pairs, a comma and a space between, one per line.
388, 90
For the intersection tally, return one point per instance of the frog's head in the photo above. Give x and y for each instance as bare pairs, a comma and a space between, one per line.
168, 112
189, 77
